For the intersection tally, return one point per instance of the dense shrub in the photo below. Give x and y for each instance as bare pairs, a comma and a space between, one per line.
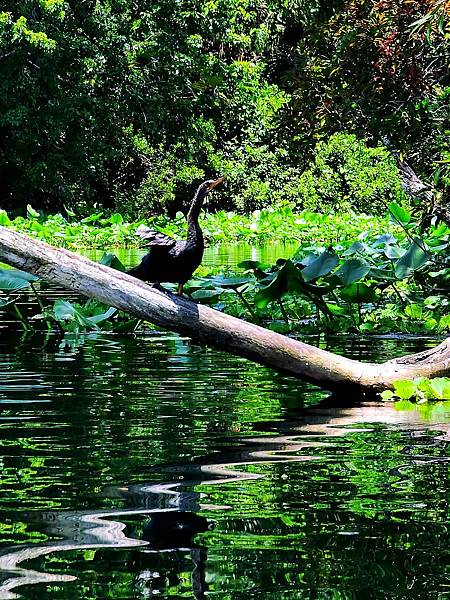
346, 173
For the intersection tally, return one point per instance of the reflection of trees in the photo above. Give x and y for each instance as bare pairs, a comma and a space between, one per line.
118, 407
348, 502
361, 519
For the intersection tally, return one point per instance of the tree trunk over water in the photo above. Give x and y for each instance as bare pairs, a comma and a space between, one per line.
211, 327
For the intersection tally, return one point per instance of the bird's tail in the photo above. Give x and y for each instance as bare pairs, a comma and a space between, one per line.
137, 272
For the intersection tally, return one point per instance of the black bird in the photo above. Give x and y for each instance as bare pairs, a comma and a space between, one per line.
170, 260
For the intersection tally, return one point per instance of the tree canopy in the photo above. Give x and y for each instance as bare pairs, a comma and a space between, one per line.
128, 102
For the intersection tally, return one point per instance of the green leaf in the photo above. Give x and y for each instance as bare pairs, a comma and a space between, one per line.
287, 279
386, 239
358, 293
320, 266
31, 213
64, 311
355, 248
230, 282
110, 260
12, 280
69, 212
4, 219
92, 218
334, 309
405, 389
393, 252
206, 295
254, 265
97, 319
387, 395
414, 258
399, 214
352, 270
116, 219
440, 386
6, 302
414, 311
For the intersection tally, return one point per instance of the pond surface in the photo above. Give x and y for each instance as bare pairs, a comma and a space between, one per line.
145, 466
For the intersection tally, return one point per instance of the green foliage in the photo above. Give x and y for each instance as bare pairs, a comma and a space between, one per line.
122, 103
129, 104
376, 284
420, 389
270, 224
68, 316
377, 69
346, 173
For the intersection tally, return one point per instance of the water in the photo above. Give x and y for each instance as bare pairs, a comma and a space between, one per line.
146, 466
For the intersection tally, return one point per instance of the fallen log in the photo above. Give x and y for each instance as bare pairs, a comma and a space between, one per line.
211, 327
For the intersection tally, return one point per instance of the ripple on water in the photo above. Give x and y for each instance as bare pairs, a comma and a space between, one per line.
147, 466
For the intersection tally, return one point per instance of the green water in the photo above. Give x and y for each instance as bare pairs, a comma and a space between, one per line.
145, 466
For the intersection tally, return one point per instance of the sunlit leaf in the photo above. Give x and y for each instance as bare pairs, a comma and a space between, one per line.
4, 219
92, 218
116, 219
405, 389
399, 214
31, 213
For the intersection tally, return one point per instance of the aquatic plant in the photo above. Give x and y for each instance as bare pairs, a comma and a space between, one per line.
278, 224
390, 283
420, 389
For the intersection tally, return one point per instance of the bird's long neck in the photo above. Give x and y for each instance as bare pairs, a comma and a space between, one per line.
194, 231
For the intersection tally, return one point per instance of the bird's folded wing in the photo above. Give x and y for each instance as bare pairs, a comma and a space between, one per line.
154, 238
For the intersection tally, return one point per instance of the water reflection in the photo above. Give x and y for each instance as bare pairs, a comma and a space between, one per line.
229, 255
148, 466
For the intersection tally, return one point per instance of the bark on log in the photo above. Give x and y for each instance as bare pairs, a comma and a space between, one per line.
211, 327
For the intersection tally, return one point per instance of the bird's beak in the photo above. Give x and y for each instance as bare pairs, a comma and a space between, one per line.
215, 183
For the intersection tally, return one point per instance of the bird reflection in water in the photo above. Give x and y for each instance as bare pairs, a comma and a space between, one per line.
172, 532
171, 529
